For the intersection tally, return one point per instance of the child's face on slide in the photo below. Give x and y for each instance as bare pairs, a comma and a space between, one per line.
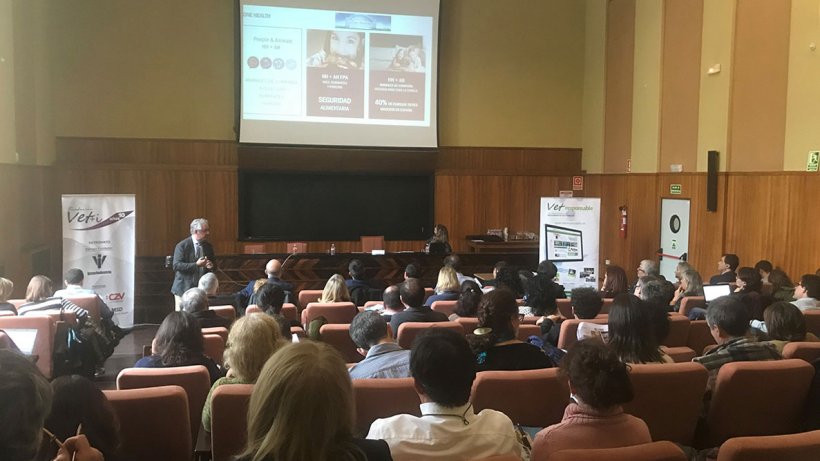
345, 44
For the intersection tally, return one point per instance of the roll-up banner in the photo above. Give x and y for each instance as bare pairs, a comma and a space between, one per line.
570, 229
99, 238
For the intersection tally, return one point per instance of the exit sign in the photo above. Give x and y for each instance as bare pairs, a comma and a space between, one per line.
675, 189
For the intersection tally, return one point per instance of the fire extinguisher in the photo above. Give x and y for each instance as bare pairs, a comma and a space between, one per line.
623, 221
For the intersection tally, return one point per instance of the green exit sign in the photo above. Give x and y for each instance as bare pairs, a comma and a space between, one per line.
675, 189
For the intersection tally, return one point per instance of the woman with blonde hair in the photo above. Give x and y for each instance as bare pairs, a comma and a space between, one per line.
335, 291
691, 284
301, 409
251, 342
447, 286
6, 288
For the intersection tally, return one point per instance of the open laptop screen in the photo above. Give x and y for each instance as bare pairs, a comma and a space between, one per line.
23, 337
712, 292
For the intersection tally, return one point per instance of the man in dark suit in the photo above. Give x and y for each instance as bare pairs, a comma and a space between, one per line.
727, 265
193, 257
411, 293
273, 269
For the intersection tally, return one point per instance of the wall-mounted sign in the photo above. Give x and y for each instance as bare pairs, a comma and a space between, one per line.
675, 189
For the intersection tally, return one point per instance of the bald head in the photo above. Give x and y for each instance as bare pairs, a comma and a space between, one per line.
273, 267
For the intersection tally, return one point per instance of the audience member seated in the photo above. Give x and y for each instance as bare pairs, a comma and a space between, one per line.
492, 283
439, 243
24, 406
495, 342
301, 408
357, 286
614, 282
447, 286
690, 285
540, 294
270, 298
646, 267
391, 303
783, 323
412, 296
6, 289
179, 343
806, 293
680, 268
74, 287
507, 277
657, 294
454, 261
641, 283
728, 322
441, 364
748, 291
39, 298
77, 401
586, 304
547, 271
631, 331
383, 358
195, 302
210, 285
335, 291
764, 268
412, 271
599, 384
468, 299
273, 271
782, 286
726, 269
251, 342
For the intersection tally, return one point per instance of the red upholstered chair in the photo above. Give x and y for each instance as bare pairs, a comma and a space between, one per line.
428, 292
525, 331
606, 305
288, 311
333, 312
812, 321
678, 331
569, 331
565, 307
373, 242
409, 330
253, 309
690, 302
221, 331
229, 420
468, 323
226, 312
91, 303
792, 447
17, 302
57, 316
154, 423
381, 398
655, 451
214, 347
43, 343
371, 303
758, 398
7, 314
309, 296
669, 398
445, 307
679, 354
529, 397
338, 336
194, 379
699, 337
802, 350
530, 320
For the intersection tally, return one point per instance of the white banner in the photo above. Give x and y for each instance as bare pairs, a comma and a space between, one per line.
570, 229
99, 238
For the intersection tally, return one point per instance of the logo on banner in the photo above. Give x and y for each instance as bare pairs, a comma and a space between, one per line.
116, 296
99, 260
91, 217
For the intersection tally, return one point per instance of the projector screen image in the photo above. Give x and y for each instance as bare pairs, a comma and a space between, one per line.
564, 244
344, 73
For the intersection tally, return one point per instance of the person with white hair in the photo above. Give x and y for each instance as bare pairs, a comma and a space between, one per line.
193, 258
195, 302
210, 284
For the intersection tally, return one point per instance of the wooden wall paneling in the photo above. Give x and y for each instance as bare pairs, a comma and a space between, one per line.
801, 241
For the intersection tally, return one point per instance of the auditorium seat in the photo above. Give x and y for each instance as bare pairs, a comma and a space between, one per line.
758, 398
529, 397
154, 423
90, 303
214, 347
229, 420
812, 321
381, 398
338, 336
565, 307
194, 379
43, 342
669, 398
17, 302
253, 309
7, 314
792, 447
57, 316
428, 292
679, 354
808, 351
445, 307
409, 330
288, 311
221, 331
226, 312
700, 336
530, 320
655, 451
372, 303
309, 296
569, 331
690, 302
332, 312
606, 305
678, 331
468, 323
525, 331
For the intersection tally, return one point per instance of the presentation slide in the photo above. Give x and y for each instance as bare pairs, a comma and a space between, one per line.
564, 244
349, 73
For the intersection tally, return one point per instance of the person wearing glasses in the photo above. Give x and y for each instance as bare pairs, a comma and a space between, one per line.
193, 258
807, 292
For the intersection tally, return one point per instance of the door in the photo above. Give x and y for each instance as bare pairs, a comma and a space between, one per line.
674, 235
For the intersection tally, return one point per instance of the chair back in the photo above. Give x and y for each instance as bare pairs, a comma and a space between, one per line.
338, 336
700, 337
17, 302
802, 350
373, 242
229, 420
214, 347
669, 398
409, 330
679, 354
526, 330
678, 331
154, 422
90, 303
428, 292
221, 331
529, 397
253, 309
758, 398
309, 296
688, 303
468, 323
792, 447
288, 311
812, 321
655, 451
606, 305
383, 397
43, 343
569, 331
333, 312
445, 307
565, 307
194, 379
226, 312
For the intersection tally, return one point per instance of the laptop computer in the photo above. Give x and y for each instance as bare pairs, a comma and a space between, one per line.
23, 338
712, 292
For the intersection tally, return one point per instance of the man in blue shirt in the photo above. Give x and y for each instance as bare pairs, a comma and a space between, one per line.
383, 357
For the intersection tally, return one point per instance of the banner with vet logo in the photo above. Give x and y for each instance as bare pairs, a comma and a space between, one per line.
99, 238
570, 230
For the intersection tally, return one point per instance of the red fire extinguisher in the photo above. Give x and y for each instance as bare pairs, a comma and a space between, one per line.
623, 221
